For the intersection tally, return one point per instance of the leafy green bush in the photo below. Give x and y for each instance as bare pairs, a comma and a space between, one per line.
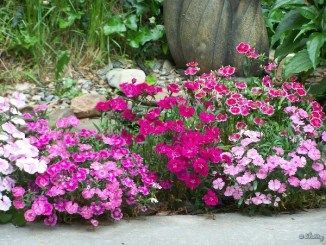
298, 27
37, 29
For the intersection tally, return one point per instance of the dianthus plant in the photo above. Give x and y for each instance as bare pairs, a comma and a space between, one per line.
88, 175
19, 159
256, 140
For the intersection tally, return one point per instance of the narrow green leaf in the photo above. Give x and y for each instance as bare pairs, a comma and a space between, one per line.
306, 28
62, 60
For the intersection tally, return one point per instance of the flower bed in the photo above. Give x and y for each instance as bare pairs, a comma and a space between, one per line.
258, 141
255, 142
80, 174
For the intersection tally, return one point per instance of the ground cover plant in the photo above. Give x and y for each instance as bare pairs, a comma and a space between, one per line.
259, 141
62, 175
211, 141
208, 142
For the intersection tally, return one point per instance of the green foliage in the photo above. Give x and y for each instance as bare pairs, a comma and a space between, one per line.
300, 62
67, 88
16, 217
63, 60
37, 29
5, 217
298, 27
151, 79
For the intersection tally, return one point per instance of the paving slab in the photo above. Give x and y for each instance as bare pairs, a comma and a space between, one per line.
231, 228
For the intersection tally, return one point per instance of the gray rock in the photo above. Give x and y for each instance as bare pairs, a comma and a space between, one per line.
49, 97
157, 65
118, 64
84, 83
167, 68
24, 87
37, 97
102, 72
118, 76
84, 106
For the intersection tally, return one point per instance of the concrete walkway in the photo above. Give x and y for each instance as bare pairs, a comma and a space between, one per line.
200, 230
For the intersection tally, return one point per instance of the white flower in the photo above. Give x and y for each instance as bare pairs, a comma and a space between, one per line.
152, 20
4, 137
153, 200
18, 121
12, 130
31, 165
5, 203
157, 186
24, 148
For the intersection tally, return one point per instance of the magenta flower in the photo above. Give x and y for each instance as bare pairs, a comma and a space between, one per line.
173, 88
191, 70
243, 48
102, 106
29, 215
18, 191
51, 220
18, 203
118, 104
226, 71
206, 117
210, 198
185, 111
201, 167
192, 181
252, 54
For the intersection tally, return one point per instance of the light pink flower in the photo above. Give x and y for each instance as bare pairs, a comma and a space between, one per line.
274, 185
323, 136
218, 184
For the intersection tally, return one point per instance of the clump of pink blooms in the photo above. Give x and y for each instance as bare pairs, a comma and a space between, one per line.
17, 154
88, 175
254, 140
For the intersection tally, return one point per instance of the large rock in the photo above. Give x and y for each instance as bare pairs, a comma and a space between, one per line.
84, 106
118, 76
207, 31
